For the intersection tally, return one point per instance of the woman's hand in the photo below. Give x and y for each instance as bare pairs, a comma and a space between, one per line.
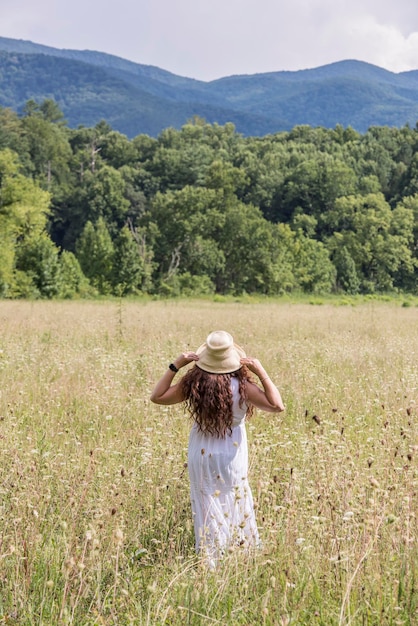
254, 366
185, 358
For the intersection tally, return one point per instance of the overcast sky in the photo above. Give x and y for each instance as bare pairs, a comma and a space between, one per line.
207, 39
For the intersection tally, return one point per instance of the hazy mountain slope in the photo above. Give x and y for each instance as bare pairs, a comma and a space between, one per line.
134, 98
86, 94
101, 59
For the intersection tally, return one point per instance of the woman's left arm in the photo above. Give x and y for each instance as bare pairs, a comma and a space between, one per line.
164, 391
267, 399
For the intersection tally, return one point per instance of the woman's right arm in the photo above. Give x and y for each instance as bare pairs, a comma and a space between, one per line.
164, 391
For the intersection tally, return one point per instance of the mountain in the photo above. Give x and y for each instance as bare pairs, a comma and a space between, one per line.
135, 99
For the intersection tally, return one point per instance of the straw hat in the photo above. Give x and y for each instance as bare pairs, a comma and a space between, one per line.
219, 354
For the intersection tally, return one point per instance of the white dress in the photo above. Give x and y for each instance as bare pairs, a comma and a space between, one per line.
221, 498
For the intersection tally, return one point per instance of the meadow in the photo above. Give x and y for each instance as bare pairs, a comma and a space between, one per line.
95, 521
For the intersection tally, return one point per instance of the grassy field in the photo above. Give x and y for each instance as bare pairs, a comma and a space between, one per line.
95, 516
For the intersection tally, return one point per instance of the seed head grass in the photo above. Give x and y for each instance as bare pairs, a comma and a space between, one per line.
95, 518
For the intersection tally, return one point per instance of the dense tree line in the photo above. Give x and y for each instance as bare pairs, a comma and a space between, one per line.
201, 210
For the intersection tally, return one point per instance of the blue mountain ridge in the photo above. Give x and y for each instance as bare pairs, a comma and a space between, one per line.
135, 99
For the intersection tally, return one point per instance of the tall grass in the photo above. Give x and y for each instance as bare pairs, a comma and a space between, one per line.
95, 521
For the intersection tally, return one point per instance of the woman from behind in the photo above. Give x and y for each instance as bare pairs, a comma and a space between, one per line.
219, 393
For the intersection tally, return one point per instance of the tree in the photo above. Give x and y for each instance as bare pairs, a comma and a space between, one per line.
347, 278
404, 230
38, 258
24, 209
106, 199
48, 143
128, 266
264, 164
73, 282
314, 185
51, 112
248, 246
411, 204
179, 167
225, 177
95, 253
376, 238
12, 136
116, 150
184, 219
99, 195
312, 267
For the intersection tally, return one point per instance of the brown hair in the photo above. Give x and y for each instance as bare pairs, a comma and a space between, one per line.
208, 398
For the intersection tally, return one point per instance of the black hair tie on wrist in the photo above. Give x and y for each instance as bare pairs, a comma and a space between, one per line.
173, 368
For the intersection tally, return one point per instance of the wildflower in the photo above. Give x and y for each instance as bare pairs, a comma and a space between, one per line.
152, 588
119, 536
70, 563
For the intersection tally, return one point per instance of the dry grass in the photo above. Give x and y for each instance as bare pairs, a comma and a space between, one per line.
95, 518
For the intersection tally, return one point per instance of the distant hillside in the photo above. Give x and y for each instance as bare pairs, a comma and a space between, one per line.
133, 98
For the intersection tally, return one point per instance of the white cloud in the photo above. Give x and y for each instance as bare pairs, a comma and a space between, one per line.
369, 40
212, 38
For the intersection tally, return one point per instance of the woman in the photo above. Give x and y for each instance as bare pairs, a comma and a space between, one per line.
219, 394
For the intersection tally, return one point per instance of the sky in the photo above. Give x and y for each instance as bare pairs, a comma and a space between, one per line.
209, 39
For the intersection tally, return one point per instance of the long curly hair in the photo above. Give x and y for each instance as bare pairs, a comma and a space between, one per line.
208, 398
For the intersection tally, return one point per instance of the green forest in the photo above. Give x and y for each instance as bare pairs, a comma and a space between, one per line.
204, 210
